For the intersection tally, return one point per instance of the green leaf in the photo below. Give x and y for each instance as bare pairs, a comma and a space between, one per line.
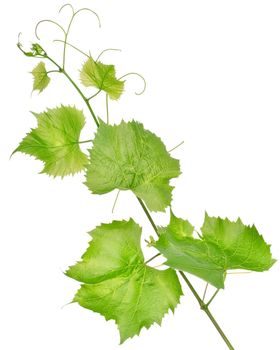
103, 77
128, 157
224, 245
55, 141
119, 285
41, 78
37, 50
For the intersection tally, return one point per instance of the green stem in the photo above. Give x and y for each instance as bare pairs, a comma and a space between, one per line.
202, 305
152, 258
212, 298
53, 71
86, 141
148, 215
83, 97
61, 70
205, 308
222, 334
94, 95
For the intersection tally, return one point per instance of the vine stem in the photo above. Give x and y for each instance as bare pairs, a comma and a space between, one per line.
148, 215
205, 308
63, 71
201, 303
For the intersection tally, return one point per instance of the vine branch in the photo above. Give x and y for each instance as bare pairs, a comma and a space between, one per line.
148, 215
205, 308
61, 69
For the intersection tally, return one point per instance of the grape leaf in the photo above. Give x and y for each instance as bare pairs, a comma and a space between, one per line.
119, 285
103, 77
55, 141
128, 157
41, 78
224, 245
37, 49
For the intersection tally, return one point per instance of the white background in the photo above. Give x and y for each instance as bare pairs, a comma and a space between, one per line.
213, 80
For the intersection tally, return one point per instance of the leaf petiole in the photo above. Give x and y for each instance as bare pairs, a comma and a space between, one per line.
213, 296
53, 71
86, 141
152, 258
94, 95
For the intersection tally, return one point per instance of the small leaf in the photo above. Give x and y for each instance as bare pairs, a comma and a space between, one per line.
224, 245
37, 50
128, 157
41, 78
103, 77
55, 141
119, 285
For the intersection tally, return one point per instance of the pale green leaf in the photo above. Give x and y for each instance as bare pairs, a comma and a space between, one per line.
55, 141
224, 245
128, 157
40, 76
103, 77
119, 285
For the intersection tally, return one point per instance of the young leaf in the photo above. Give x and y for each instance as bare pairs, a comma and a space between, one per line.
41, 78
103, 77
55, 141
119, 285
37, 50
224, 245
128, 157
